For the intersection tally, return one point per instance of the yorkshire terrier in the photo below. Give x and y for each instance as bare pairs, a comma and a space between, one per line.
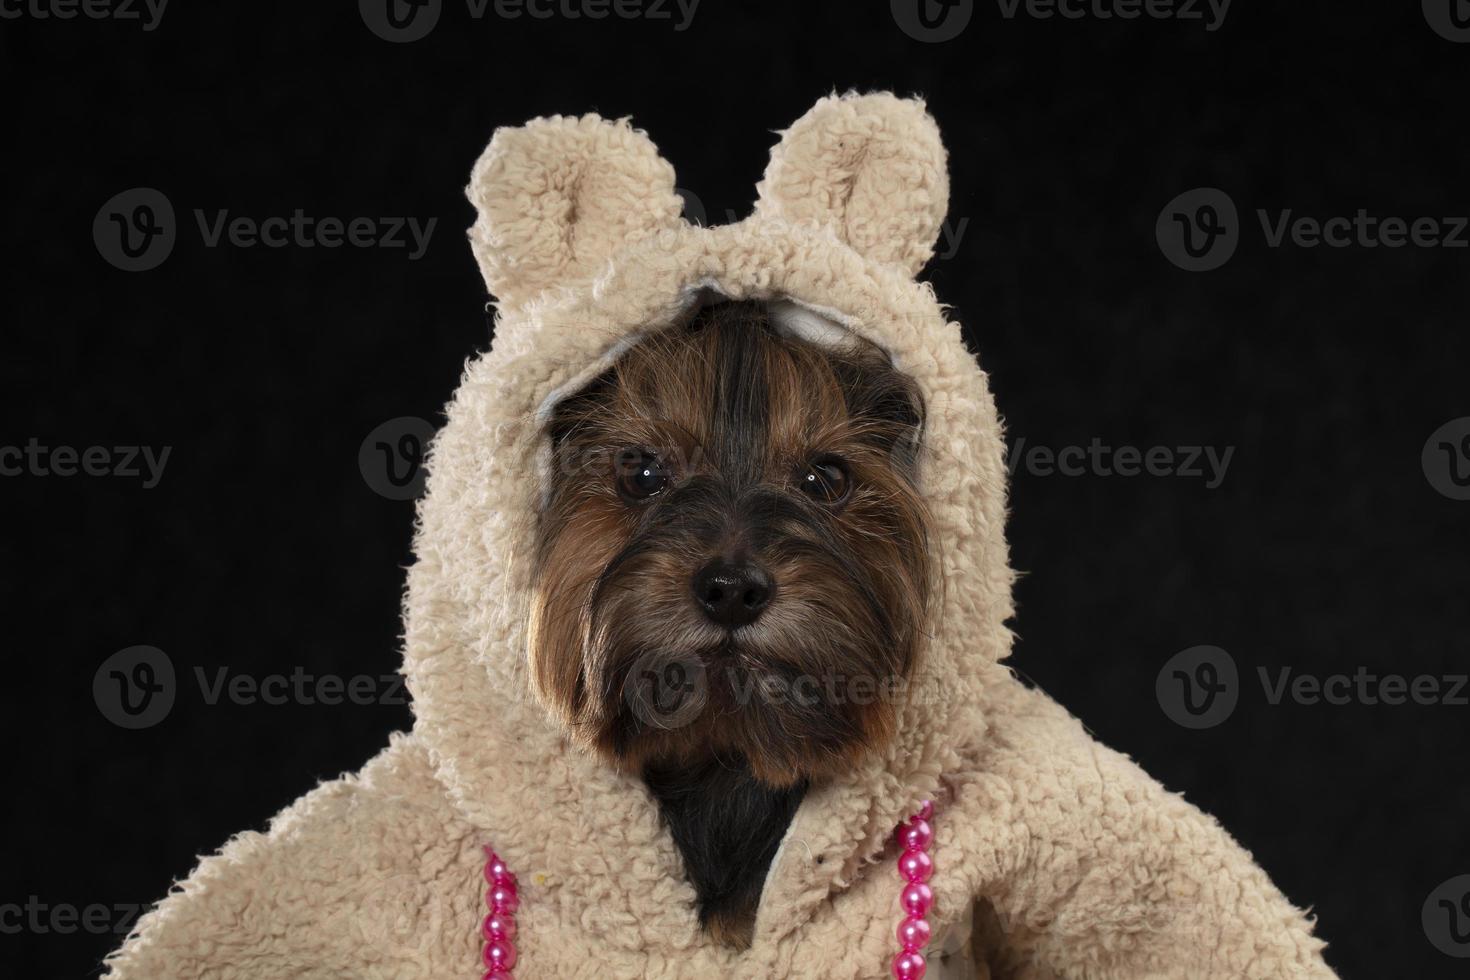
733, 571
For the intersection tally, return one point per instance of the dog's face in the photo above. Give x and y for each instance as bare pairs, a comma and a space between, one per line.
734, 557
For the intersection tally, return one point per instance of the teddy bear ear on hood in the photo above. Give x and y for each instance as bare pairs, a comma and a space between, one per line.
871, 168
558, 196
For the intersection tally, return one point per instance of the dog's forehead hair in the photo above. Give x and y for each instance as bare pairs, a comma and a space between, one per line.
746, 399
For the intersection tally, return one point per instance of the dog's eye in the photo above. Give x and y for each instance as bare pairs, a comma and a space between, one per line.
640, 474
826, 480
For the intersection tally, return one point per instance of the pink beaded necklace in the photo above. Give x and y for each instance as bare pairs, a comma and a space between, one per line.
915, 867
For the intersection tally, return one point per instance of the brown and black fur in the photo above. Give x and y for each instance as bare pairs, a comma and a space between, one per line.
728, 726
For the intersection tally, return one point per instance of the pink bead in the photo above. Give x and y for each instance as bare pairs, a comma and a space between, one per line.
910, 966
500, 955
495, 868
498, 925
917, 898
913, 934
497, 974
926, 812
915, 866
916, 835
504, 897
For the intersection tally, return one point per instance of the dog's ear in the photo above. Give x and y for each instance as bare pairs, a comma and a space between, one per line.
871, 167
559, 195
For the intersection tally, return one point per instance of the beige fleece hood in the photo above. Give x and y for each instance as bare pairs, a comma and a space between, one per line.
580, 239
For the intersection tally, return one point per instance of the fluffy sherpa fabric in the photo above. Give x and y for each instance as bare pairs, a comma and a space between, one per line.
1056, 857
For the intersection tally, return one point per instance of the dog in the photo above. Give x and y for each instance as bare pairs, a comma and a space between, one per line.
734, 541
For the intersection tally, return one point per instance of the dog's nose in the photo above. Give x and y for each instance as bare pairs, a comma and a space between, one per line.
733, 593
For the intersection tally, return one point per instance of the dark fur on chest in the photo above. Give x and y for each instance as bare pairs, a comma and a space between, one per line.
727, 826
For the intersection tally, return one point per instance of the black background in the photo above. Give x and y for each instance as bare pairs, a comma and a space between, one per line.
263, 549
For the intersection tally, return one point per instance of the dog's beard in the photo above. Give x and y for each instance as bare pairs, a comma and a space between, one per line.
800, 693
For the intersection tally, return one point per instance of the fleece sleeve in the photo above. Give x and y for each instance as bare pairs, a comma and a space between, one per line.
345, 883
1099, 873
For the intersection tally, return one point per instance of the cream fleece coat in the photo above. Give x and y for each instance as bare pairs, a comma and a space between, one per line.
1056, 857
